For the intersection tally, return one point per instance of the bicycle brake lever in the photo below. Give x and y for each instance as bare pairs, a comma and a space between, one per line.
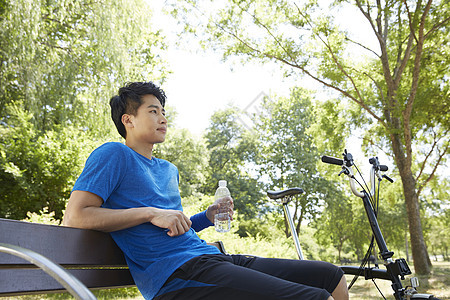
388, 178
344, 171
348, 158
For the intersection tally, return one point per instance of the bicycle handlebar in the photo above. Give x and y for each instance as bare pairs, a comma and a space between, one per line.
376, 164
347, 163
332, 160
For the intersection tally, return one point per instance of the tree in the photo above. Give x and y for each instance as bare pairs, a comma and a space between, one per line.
288, 156
335, 223
64, 59
398, 90
231, 150
437, 216
60, 62
37, 169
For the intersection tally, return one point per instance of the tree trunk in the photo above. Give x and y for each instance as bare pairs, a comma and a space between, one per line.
420, 256
406, 245
419, 249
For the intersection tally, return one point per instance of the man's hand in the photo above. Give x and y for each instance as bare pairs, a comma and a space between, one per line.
174, 220
213, 208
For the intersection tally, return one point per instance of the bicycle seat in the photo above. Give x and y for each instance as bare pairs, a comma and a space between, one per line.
284, 193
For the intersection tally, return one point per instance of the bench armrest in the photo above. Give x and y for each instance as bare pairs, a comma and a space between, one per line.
67, 280
219, 245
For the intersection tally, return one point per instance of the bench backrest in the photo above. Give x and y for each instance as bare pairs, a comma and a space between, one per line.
91, 256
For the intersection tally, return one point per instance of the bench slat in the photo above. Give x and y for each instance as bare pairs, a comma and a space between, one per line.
63, 245
36, 281
80, 250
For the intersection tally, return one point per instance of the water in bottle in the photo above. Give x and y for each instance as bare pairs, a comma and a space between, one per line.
222, 220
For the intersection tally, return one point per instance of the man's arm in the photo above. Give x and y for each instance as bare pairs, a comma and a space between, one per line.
84, 211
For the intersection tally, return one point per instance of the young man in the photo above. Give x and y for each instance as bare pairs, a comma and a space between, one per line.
124, 190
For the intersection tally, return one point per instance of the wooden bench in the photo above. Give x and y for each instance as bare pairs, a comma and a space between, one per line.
38, 258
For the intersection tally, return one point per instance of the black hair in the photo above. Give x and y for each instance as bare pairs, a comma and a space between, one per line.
129, 100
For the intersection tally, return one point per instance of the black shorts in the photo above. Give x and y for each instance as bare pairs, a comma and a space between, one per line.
238, 277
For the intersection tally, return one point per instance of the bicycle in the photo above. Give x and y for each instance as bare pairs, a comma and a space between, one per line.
395, 270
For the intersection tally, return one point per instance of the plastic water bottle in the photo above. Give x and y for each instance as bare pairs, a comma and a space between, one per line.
222, 220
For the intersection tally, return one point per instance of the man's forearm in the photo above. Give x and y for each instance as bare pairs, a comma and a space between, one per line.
84, 211
105, 219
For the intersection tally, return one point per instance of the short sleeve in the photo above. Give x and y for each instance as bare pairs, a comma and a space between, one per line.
103, 171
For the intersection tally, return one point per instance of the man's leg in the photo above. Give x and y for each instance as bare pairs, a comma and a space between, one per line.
341, 291
239, 277
313, 273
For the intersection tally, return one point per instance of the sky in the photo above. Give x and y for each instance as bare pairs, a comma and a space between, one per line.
201, 83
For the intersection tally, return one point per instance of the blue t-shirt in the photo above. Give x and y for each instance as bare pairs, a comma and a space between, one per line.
124, 179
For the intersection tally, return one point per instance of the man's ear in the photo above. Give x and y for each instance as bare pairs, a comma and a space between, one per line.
127, 120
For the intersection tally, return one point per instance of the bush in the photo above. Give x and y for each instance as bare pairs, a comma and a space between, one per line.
262, 236
38, 169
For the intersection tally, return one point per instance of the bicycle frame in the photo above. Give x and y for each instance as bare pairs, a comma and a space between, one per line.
298, 248
395, 270
370, 212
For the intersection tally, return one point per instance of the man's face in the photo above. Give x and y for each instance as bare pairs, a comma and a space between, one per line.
149, 125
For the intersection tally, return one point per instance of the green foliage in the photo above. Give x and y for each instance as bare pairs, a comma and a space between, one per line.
334, 225
266, 236
63, 60
122, 293
231, 149
438, 237
131, 293
38, 169
43, 217
60, 62
330, 127
437, 217
392, 214
288, 155
344, 222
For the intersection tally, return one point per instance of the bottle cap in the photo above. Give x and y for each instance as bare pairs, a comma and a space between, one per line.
222, 183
